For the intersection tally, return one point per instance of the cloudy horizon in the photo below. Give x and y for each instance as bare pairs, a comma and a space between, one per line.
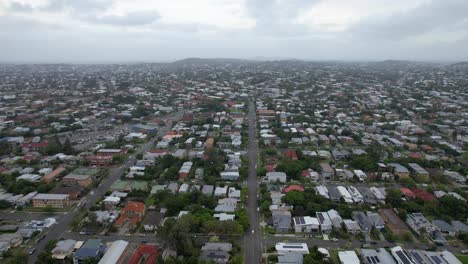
168, 30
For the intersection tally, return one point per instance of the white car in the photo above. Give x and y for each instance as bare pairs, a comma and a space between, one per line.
253, 231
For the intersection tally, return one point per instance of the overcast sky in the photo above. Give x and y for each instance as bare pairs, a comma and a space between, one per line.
165, 30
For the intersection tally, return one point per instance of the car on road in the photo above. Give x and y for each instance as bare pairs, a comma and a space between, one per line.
464, 251
253, 231
144, 242
31, 251
334, 239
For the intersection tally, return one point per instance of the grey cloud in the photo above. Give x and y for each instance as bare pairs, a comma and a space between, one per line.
275, 17
77, 5
430, 16
129, 19
20, 7
12, 24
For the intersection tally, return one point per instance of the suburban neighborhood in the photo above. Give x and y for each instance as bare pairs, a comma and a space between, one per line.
233, 161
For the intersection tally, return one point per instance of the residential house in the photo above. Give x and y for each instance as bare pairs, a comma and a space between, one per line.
92, 249
63, 249
376, 220
444, 227
399, 170
335, 218
327, 171
276, 176
286, 248
348, 257
393, 222
326, 224
131, 214
281, 220
362, 220
351, 226
418, 172
218, 253
306, 224
185, 169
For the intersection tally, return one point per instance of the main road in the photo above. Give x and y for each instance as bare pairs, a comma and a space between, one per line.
57, 230
252, 245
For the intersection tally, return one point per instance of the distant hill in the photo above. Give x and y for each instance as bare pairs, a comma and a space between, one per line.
460, 64
194, 61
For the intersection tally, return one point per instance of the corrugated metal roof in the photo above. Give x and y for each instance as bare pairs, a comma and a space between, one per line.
114, 252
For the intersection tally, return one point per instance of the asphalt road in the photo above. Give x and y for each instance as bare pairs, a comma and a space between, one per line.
57, 231
253, 239
20, 217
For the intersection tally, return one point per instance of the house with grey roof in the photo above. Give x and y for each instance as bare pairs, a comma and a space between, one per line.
335, 218
290, 258
334, 194
374, 256
173, 187
376, 220
362, 220
208, 189
351, 226
63, 248
275, 176
460, 227
444, 227
218, 253
91, 249
281, 220
367, 195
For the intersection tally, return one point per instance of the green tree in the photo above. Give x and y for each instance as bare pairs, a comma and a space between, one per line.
407, 182
394, 198
294, 198
243, 219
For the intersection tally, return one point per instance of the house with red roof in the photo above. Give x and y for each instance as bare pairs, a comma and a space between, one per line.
293, 188
145, 253
423, 195
34, 146
291, 154
414, 155
408, 193
131, 214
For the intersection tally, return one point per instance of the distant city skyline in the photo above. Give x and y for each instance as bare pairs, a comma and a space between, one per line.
109, 31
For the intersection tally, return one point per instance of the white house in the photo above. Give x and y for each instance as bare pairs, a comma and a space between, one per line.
306, 224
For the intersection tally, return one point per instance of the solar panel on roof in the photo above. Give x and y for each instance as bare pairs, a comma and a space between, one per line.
417, 257
377, 259
320, 216
301, 220
292, 246
373, 260
402, 257
436, 259
368, 260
